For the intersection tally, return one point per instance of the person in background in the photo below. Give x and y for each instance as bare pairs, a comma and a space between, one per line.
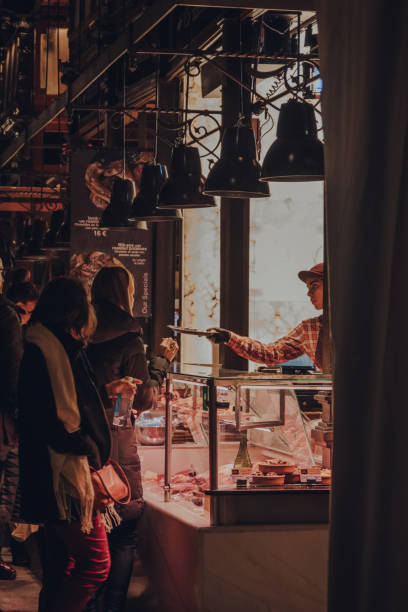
116, 350
63, 432
19, 275
11, 351
305, 339
25, 295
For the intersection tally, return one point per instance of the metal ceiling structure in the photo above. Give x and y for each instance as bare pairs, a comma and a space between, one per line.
133, 34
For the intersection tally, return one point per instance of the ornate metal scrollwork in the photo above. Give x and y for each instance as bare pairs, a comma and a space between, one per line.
198, 132
296, 77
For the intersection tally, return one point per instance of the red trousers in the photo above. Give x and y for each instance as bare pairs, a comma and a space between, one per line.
76, 565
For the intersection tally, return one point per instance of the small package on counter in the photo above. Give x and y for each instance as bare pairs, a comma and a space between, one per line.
310, 475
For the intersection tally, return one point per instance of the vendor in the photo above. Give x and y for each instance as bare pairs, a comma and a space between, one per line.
305, 339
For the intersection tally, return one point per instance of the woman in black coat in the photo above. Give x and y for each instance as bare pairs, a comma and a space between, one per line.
117, 350
63, 431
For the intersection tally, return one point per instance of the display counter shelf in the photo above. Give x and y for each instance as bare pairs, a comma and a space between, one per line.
216, 540
248, 430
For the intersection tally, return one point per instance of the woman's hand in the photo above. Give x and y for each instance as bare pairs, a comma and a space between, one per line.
168, 348
126, 386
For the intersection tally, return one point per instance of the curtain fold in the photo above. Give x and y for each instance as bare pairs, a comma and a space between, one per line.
364, 60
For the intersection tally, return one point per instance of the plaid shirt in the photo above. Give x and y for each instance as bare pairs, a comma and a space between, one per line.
301, 340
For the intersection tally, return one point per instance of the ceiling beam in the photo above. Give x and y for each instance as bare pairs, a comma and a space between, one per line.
134, 33
269, 5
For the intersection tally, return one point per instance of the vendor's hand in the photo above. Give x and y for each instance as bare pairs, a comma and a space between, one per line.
168, 348
218, 335
126, 386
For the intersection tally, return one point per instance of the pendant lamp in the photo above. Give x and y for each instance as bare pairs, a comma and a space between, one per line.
64, 234
145, 203
154, 175
117, 213
27, 233
184, 187
296, 154
35, 247
237, 173
51, 237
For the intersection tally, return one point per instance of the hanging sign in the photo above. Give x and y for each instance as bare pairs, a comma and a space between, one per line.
92, 247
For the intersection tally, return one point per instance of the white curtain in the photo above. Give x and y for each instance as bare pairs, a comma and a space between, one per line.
364, 60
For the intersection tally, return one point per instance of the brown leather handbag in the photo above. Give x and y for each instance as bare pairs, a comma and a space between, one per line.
110, 485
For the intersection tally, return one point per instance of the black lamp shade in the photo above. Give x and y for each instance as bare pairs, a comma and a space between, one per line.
153, 178
36, 243
57, 219
296, 154
145, 203
117, 213
184, 187
27, 232
64, 233
237, 173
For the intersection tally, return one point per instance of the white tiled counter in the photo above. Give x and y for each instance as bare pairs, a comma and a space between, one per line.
194, 567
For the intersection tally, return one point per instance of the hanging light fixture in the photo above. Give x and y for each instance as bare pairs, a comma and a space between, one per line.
51, 237
296, 154
184, 187
237, 173
145, 203
35, 250
117, 213
153, 178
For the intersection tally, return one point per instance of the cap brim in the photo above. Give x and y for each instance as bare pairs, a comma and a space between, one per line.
306, 275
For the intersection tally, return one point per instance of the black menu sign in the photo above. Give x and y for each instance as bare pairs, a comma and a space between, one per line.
92, 248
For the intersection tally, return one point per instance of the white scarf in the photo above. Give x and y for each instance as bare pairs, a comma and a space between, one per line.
71, 474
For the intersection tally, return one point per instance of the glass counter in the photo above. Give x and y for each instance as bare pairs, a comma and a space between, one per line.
246, 447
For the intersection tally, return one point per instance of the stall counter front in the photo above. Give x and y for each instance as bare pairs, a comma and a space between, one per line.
263, 568
220, 539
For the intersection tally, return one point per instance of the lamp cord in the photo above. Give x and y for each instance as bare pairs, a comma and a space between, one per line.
298, 56
156, 127
186, 111
123, 115
241, 70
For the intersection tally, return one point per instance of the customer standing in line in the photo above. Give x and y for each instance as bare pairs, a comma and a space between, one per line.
11, 351
116, 350
63, 432
25, 295
23, 298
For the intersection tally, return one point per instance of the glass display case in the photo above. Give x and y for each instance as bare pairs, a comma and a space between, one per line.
254, 448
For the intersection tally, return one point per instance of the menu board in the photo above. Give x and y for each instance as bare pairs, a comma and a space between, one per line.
92, 174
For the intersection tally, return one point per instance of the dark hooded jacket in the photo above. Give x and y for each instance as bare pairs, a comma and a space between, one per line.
117, 350
11, 352
40, 428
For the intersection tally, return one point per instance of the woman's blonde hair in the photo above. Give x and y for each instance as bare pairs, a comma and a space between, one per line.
111, 285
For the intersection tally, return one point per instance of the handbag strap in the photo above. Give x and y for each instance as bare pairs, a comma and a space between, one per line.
121, 473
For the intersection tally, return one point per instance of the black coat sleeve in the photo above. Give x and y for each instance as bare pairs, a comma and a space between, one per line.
11, 351
37, 411
158, 368
134, 364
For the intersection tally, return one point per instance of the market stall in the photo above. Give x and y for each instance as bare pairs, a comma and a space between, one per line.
238, 514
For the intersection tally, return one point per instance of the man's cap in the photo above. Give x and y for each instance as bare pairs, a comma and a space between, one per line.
316, 272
